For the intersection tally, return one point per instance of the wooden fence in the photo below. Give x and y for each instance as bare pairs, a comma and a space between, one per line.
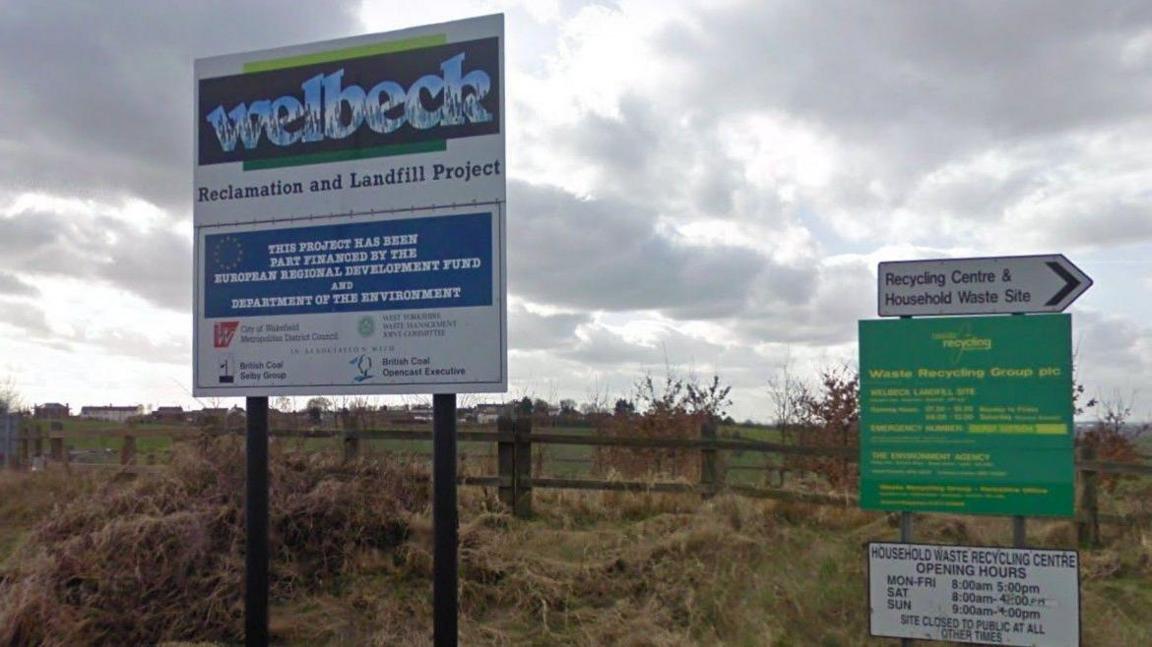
514, 441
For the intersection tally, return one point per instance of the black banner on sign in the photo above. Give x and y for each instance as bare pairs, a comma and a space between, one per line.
353, 108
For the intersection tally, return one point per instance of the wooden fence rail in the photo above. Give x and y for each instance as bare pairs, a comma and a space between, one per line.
514, 440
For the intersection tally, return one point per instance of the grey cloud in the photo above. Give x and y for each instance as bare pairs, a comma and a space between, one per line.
155, 264
619, 148
1101, 221
173, 350
1110, 349
908, 89
604, 347
29, 319
839, 295
528, 330
1013, 69
98, 96
28, 232
607, 255
600, 346
645, 155
12, 285
32, 323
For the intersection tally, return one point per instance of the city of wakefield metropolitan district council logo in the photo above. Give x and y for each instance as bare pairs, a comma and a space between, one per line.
223, 332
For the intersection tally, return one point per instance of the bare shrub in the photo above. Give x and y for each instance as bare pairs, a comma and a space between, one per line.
1114, 437
159, 557
675, 408
9, 396
828, 417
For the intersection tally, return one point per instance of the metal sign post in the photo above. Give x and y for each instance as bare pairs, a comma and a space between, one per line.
444, 521
905, 538
256, 524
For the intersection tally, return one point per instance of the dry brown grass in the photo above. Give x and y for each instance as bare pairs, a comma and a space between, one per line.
139, 560
159, 556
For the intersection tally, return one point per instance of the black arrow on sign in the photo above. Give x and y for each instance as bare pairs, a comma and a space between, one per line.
1070, 283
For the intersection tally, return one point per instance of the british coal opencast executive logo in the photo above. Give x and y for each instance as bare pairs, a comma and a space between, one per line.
364, 102
363, 364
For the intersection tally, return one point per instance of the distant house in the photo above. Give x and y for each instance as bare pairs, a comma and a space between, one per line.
421, 412
169, 414
487, 414
209, 415
52, 411
112, 413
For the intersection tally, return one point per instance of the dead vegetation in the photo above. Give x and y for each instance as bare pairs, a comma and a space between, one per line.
158, 557
673, 408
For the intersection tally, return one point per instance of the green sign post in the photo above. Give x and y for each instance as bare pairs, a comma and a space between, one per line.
970, 415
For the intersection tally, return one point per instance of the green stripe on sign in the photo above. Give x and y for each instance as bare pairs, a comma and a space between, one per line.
347, 53
435, 146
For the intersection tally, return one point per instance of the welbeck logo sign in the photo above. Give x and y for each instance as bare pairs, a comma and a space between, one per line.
349, 207
362, 106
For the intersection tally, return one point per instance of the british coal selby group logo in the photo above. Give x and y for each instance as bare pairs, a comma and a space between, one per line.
323, 108
223, 332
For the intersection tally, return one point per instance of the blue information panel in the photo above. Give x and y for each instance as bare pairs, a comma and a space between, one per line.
436, 262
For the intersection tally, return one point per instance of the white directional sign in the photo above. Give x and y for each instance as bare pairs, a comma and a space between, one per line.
970, 594
993, 285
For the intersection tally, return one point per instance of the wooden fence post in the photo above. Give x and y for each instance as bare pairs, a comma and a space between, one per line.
23, 434
351, 438
1088, 526
56, 449
128, 451
506, 462
710, 476
522, 482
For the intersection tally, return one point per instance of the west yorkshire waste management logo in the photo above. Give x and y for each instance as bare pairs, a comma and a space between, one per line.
366, 326
386, 99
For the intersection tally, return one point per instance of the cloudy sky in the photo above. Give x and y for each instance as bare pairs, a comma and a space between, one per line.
703, 185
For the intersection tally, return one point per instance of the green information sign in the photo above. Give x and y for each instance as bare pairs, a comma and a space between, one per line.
971, 415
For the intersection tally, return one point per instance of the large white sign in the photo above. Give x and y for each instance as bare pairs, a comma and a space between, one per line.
976, 286
349, 213
969, 594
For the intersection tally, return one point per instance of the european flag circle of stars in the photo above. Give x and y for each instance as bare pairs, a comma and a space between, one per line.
228, 254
